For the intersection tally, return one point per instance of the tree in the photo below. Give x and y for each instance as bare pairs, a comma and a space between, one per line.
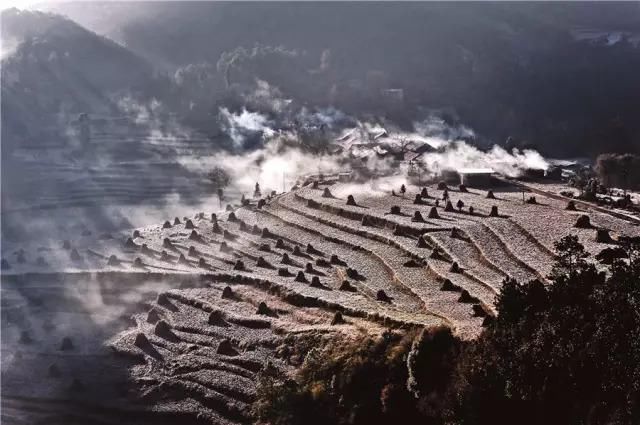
219, 178
561, 353
615, 170
570, 256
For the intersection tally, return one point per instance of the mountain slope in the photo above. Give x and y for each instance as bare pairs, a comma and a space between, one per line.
524, 71
57, 71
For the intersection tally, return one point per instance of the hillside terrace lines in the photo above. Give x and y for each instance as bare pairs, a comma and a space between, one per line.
504, 256
377, 273
535, 255
547, 220
503, 241
553, 191
193, 366
373, 233
496, 253
386, 280
471, 259
487, 273
218, 376
396, 254
336, 299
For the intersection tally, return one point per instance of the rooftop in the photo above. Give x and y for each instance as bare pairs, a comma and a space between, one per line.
475, 171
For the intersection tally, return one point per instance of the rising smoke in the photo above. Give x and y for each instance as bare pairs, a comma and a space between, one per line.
347, 142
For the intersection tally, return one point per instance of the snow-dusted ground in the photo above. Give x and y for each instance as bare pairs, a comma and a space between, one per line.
183, 348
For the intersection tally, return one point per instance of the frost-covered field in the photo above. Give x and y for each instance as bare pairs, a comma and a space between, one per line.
180, 316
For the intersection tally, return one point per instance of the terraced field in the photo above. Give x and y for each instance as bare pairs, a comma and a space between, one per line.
178, 320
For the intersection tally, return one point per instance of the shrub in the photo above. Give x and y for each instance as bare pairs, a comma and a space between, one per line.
602, 236
227, 292
337, 319
219, 178
609, 255
361, 380
228, 235
226, 348
346, 286
436, 254
265, 247
583, 222
560, 353
142, 341
398, 230
263, 263
353, 274
216, 228
412, 263
465, 297
382, 296
447, 285
284, 272
163, 330
263, 309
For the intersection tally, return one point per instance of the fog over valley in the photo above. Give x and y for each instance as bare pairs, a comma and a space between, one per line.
320, 212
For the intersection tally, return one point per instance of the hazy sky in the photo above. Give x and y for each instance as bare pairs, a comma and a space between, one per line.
20, 4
